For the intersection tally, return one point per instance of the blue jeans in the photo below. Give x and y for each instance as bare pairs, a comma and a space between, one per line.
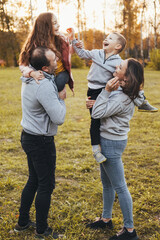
113, 180
41, 156
61, 80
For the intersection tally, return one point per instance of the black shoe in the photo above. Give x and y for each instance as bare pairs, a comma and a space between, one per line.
100, 224
146, 107
19, 228
48, 232
125, 235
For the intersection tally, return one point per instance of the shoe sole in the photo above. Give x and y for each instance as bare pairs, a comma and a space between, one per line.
18, 231
39, 238
30, 227
139, 110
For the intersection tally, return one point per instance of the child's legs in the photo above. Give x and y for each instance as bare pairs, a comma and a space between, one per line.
114, 170
61, 79
95, 131
95, 123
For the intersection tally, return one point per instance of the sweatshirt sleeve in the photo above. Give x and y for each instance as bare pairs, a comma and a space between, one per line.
81, 52
105, 107
48, 98
140, 99
25, 70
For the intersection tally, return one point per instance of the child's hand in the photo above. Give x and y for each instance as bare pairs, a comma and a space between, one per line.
37, 75
71, 33
89, 103
79, 44
112, 84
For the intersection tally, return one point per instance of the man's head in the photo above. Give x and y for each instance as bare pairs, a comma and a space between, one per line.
43, 59
114, 42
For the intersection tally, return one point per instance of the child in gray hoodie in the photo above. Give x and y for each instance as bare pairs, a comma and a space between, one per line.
104, 62
103, 66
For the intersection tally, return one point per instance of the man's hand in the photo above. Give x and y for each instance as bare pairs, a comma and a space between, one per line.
71, 33
62, 94
89, 103
112, 84
37, 75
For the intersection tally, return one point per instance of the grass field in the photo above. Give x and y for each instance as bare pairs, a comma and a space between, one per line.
77, 198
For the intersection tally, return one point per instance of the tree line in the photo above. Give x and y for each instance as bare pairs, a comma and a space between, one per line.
141, 32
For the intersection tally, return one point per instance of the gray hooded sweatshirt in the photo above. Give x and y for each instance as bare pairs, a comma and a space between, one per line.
42, 110
102, 69
115, 110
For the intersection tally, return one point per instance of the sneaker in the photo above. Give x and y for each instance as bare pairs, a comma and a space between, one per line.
100, 158
48, 232
146, 107
100, 224
19, 228
125, 235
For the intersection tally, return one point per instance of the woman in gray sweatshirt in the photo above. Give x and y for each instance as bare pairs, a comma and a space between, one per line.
115, 107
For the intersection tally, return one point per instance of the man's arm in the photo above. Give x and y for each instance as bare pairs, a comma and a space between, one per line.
53, 105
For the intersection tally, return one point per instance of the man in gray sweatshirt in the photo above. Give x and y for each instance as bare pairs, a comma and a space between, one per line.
43, 109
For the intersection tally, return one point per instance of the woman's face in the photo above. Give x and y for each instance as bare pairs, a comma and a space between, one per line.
120, 72
55, 26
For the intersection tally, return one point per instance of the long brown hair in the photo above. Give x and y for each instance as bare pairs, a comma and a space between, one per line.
135, 78
42, 35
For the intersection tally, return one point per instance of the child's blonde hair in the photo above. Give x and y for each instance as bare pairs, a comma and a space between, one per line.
121, 40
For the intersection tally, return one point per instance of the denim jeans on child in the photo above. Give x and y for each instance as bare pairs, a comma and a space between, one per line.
61, 80
41, 156
113, 180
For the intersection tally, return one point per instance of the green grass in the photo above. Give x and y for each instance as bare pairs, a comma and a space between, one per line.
78, 194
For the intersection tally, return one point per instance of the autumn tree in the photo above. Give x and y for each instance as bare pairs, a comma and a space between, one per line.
129, 27
12, 32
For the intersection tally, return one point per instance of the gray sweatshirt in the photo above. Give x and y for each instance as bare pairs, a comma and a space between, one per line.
42, 110
115, 110
102, 69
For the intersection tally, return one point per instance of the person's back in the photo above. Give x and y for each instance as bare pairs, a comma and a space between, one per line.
35, 118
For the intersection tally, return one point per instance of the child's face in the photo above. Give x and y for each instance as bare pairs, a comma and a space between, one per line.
121, 71
110, 43
55, 25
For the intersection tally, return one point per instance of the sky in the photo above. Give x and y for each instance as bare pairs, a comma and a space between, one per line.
68, 12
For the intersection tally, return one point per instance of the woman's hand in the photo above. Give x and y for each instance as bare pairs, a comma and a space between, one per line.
89, 103
112, 84
71, 33
37, 75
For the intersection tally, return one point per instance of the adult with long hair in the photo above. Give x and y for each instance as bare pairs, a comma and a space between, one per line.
46, 33
115, 107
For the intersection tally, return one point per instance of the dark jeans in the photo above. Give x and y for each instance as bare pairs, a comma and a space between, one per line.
95, 123
41, 156
61, 79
